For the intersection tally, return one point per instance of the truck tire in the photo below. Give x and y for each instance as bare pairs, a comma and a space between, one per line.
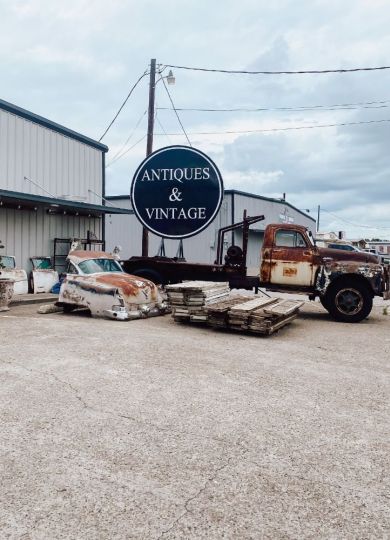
325, 302
150, 274
349, 301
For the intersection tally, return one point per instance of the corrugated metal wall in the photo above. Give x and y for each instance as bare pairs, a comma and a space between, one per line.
64, 167
126, 231
27, 233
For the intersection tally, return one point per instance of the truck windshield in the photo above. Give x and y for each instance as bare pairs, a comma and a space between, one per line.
92, 266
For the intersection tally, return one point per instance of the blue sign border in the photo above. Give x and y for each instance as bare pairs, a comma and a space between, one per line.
168, 148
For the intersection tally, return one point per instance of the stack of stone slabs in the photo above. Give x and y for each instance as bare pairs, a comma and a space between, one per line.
261, 315
190, 299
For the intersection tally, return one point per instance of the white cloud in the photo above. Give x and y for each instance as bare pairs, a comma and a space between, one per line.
75, 61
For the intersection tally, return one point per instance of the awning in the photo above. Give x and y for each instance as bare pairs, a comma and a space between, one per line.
27, 201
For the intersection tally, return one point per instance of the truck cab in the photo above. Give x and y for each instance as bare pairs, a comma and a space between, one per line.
344, 281
289, 257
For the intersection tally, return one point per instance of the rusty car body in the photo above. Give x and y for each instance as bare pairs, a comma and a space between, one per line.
96, 281
9, 270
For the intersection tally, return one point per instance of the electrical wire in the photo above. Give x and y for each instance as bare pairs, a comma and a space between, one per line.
177, 114
299, 72
162, 127
128, 150
334, 107
124, 103
129, 137
352, 223
247, 131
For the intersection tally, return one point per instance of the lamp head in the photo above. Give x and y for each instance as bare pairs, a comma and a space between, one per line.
170, 78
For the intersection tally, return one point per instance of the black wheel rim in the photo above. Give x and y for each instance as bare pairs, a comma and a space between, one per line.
349, 301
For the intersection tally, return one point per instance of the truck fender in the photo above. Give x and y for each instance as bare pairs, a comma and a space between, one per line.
331, 271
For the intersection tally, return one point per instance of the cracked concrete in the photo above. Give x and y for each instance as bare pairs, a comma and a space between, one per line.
149, 429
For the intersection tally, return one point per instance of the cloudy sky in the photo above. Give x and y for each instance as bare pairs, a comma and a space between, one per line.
75, 61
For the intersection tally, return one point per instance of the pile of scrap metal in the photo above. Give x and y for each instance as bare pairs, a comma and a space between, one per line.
6, 287
189, 299
43, 277
95, 280
9, 270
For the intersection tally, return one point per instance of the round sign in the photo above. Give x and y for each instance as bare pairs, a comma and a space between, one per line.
176, 192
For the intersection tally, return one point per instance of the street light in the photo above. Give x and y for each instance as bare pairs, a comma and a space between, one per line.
170, 78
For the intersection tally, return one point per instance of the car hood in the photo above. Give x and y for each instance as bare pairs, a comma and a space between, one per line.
353, 256
133, 289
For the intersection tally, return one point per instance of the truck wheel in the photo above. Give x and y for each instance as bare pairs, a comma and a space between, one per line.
151, 275
325, 302
349, 302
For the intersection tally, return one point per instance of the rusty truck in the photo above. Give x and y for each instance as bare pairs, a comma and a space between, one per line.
290, 261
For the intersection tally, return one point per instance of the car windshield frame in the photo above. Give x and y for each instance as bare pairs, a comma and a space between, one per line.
99, 265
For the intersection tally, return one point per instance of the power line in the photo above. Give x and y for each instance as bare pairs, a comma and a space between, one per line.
300, 72
162, 127
233, 132
352, 223
177, 114
128, 138
126, 151
123, 104
334, 107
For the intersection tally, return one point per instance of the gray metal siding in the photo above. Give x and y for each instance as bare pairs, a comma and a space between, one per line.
64, 167
272, 212
126, 230
27, 233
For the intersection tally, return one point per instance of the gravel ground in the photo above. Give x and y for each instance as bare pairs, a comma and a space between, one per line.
149, 429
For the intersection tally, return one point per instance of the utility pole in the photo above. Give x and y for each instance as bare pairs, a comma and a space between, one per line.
318, 217
149, 141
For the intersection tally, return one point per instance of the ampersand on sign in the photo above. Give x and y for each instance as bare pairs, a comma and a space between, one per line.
175, 195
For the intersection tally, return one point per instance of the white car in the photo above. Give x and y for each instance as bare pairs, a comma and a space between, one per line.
95, 280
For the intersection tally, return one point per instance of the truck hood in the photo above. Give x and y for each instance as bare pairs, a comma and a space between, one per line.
353, 256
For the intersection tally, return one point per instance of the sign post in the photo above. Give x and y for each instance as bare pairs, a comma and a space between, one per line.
176, 192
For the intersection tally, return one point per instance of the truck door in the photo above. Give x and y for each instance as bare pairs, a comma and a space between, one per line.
291, 259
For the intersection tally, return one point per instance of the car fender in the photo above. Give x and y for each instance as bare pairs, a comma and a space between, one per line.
96, 297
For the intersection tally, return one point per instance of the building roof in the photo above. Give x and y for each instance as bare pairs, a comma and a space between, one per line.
14, 199
58, 128
268, 199
234, 192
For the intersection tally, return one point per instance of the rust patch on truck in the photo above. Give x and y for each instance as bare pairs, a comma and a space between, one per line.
289, 272
331, 270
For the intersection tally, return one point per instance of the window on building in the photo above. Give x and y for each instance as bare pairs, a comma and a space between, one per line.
285, 238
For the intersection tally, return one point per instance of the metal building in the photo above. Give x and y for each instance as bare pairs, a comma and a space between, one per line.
126, 231
52, 183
